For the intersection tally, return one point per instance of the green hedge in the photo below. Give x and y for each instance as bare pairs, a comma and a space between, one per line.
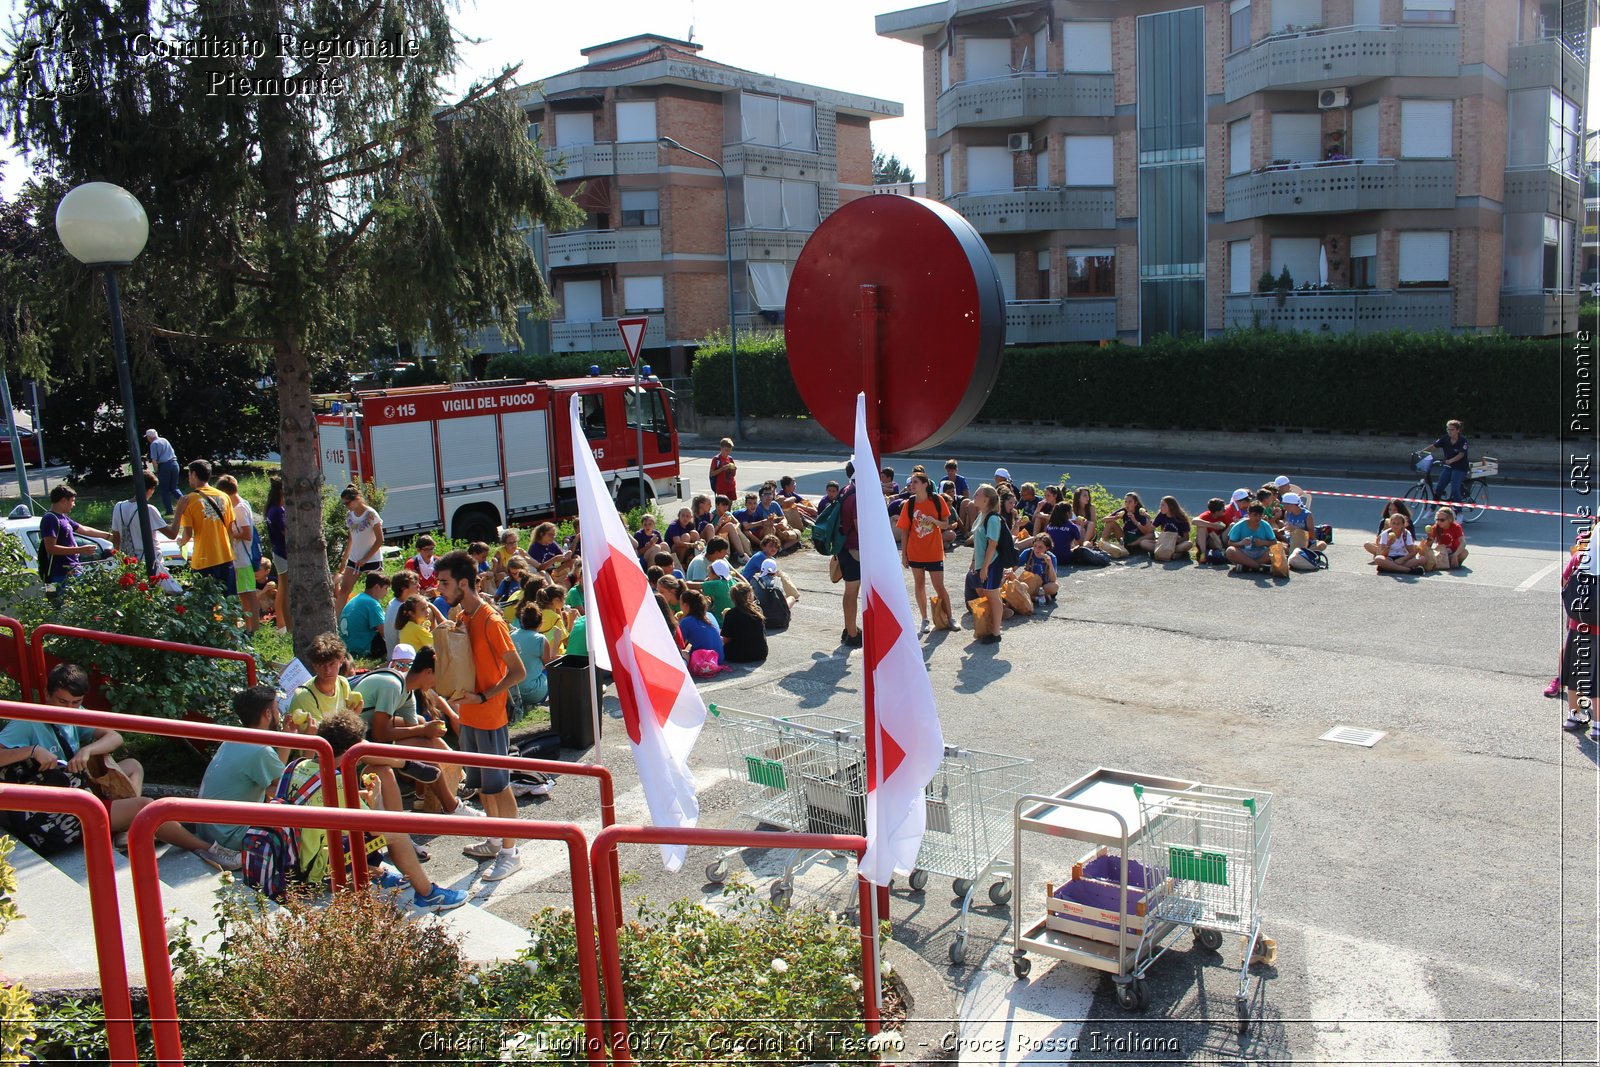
1248, 379
565, 365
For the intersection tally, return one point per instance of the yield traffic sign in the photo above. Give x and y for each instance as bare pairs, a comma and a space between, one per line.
633, 337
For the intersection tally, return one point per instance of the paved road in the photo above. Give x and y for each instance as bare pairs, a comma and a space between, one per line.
1432, 897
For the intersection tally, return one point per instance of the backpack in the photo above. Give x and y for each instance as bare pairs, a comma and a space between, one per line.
1005, 553
255, 547
774, 603
826, 537
270, 857
1578, 596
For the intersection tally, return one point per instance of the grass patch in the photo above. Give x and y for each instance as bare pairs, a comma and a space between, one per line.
166, 760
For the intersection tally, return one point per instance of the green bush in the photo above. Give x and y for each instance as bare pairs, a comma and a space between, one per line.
565, 365
17, 1014
1391, 383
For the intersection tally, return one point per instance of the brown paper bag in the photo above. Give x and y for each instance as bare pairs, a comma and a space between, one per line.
454, 673
1166, 545
939, 611
835, 575
1114, 549
1280, 561
1299, 538
1016, 597
788, 587
451, 774
980, 613
1033, 582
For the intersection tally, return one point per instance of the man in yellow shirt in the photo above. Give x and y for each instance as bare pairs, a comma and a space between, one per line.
208, 513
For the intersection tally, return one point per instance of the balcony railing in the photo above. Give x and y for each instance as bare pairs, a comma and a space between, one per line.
1046, 321
1022, 99
1343, 311
1549, 61
603, 158
1022, 210
769, 244
767, 162
1543, 190
1341, 185
604, 246
1344, 55
601, 335
1542, 313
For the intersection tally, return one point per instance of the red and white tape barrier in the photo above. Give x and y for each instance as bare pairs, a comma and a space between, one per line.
1485, 507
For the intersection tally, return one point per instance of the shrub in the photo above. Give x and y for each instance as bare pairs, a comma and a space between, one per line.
351, 979
567, 365
17, 1015
766, 388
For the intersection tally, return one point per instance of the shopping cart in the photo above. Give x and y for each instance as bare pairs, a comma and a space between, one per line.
1212, 846
968, 835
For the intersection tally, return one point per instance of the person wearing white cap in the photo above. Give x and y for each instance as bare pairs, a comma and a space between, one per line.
719, 587
1238, 504
1301, 527
1001, 475
165, 461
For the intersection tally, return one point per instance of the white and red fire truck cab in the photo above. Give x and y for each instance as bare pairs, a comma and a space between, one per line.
472, 457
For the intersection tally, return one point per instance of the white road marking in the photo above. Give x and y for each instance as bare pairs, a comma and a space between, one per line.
1538, 576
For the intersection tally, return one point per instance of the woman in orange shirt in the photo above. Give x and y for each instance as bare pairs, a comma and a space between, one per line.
923, 521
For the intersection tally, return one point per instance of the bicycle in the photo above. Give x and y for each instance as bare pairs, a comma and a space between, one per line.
1474, 499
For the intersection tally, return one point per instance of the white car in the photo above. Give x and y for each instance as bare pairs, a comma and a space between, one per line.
25, 528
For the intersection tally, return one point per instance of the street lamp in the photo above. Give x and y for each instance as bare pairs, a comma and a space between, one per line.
727, 225
105, 227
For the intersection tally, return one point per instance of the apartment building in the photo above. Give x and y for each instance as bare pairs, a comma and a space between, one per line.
1140, 167
654, 240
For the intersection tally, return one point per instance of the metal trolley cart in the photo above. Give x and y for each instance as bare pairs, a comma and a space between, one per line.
1117, 930
969, 806
1214, 844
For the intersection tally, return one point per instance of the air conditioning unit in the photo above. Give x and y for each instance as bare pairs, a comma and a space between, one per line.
1018, 142
1329, 99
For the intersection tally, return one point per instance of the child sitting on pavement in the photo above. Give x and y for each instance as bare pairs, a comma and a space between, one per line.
1211, 532
1039, 560
1395, 550
1447, 539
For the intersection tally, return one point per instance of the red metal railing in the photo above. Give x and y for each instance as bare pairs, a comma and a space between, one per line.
203, 731
103, 913
602, 857
14, 658
350, 784
152, 925
102, 637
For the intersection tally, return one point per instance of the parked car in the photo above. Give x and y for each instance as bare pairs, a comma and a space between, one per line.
30, 447
26, 530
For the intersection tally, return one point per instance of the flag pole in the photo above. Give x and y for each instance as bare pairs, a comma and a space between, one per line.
594, 705
871, 354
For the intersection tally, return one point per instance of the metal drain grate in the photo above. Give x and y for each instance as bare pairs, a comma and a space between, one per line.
1354, 735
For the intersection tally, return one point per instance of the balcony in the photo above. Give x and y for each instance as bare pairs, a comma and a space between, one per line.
584, 247
1031, 322
1023, 99
764, 161
1547, 62
1345, 55
603, 158
769, 244
1023, 210
1343, 311
601, 335
1543, 191
1345, 185
1545, 313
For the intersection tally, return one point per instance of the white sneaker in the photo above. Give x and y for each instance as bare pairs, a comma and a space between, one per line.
506, 863
463, 808
927, 627
226, 858
483, 850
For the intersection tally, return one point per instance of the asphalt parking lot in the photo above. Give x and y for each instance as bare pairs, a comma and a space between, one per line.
1433, 897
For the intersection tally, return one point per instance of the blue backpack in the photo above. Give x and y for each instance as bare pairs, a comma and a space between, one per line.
270, 858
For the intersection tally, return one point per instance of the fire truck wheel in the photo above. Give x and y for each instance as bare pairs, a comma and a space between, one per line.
475, 524
628, 496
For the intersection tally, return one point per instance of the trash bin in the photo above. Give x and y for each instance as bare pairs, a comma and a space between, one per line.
570, 711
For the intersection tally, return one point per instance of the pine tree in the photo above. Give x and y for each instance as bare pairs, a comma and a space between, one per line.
301, 224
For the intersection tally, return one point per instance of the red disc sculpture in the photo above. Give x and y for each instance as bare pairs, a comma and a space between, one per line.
896, 296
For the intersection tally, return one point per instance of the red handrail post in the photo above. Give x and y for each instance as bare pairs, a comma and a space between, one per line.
869, 957
602, 860
105, 637
19, 648
333, 821
107, 922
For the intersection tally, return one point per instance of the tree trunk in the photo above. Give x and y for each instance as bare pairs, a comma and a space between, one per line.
310, 591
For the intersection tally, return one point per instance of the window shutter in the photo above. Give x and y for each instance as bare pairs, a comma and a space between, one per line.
1425, 256
1427, 129
1089, 161
1086, 47
636, 120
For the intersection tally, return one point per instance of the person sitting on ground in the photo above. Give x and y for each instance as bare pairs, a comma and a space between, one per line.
744, 628
1211, 532
342, 731
478, 552
667, 562
87, 751
544, 553
1396, 549
361, 620
1002, 481
952, 473
770, 547
415, 623
718, 588
422, 565
1051, 496
516, 575
699, 627
654, 574
1039, 560
402, 584
699, 568
922, 523
1086, 515
1283, 485
777, 602
1299, 524
728, 527
510, 547
328, 690
552, 623
1250, 541
1238, 504
767, 504
1394, 505
647, 539
682, 537
1447, 539
242, 771
1272, 507
671, 590
1133, 525
578, 636
536, 650
887, 484
398, 707
1028, 502
1066, 540
672, 626
1172, 531
803, 511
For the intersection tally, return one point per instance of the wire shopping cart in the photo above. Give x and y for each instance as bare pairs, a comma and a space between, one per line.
1212, 845
968, 834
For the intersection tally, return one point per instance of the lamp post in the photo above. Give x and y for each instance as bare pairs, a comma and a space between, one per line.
105, 227
727, 225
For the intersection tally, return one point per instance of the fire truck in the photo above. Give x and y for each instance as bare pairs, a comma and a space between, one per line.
472, 457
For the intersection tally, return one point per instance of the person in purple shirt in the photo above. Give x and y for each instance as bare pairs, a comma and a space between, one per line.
849, 559
683, 537
647, 539
56, 540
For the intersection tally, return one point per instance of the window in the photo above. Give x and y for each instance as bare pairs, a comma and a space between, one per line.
642, 208
580, 301
797, 125
1086, 47
1364, 261
535, 131
1089, 161
987, 57
769, 285
636, 120
770, 204
1557, 253
1006, 264
1424, 259
1297, 138
1564, 135
1091, 272
1302, 255
1364, 133
800, 210
594, 416
946, 176
574, 128
1239, 280
989, 169
1290, 16
1041, 48
1239, 146
1429, 11
758, 118
644, 294
655, 413
776, 122
1238, 24
1041, 170
1427, 129
947, 59
1042, 282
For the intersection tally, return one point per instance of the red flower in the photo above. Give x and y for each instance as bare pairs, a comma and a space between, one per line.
126, 580
130, 561
180, 609
143, 586
162, 576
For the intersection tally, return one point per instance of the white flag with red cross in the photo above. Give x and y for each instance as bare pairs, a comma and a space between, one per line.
904, 741
661, 707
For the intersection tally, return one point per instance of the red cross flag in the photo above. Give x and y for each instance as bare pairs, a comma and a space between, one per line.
904, 741
660, 705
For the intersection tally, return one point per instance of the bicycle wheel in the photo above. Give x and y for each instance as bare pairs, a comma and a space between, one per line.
1419, 498
1474, 496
